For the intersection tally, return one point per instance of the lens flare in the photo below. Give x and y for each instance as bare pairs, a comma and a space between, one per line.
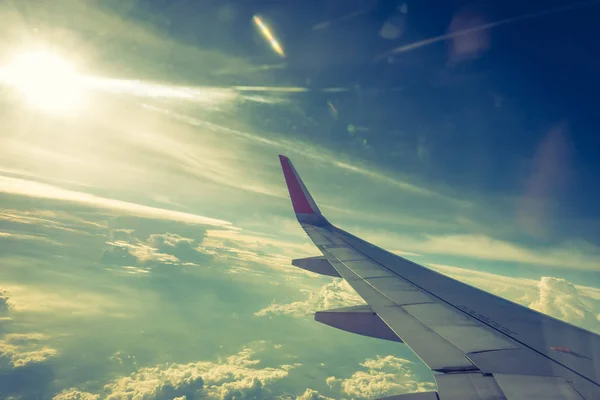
267, 34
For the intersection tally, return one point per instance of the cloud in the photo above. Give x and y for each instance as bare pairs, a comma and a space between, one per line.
578, 305
178, 246
138, 252
337, 293
129, 247
74, 394
20, 350
69, 300
311, 394
580, 255
382, 376
314, 153
238, 376
43, 191
254, 247
561, 299
4, 302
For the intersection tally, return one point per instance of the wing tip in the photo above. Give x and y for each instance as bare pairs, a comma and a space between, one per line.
304, 206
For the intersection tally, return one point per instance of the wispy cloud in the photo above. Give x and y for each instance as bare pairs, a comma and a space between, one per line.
43, 191
310, 151
576, 304
568, 255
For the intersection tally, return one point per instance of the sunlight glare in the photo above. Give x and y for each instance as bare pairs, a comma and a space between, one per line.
46, 80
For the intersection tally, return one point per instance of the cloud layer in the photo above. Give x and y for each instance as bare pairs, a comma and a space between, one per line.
337, 293
381, 376
238, 376
579, 305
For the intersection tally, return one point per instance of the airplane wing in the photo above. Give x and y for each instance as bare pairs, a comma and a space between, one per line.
478, 345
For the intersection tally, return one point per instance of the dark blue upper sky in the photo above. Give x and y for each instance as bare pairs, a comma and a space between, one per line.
474, 121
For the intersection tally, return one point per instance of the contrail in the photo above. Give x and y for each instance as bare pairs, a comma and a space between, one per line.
518, 18
328, 23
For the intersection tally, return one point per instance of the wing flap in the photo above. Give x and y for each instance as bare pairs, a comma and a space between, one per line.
357, 319
522, 387
318, 265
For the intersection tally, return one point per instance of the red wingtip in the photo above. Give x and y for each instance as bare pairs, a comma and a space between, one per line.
299, 200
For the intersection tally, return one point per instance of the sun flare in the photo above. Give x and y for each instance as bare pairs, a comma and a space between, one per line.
45, 79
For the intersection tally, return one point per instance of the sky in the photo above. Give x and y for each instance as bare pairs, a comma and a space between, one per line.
146, 234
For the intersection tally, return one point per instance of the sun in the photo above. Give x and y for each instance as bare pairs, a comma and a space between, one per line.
45, 79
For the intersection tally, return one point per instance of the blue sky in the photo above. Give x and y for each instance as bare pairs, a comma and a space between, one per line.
145, 230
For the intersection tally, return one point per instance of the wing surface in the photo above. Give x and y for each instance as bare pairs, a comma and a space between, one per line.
479, 346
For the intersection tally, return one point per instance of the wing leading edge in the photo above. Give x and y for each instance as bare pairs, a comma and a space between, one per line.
478, 345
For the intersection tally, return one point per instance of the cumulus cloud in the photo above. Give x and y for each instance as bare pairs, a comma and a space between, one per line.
337, 293
74, 394
311, 394
238, 376
20, 350
579, 305
381, 376
561, 299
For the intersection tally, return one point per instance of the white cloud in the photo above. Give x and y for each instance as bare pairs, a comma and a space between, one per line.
337, 293
143, 252
382, 376
19, 350
583, 256
235, 377
43, 191
562, 299
269, 250
311, 394
74, 394
580, 255
168, 239
71, 301
579, 305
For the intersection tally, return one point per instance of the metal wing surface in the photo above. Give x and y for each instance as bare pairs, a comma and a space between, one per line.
479, 346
